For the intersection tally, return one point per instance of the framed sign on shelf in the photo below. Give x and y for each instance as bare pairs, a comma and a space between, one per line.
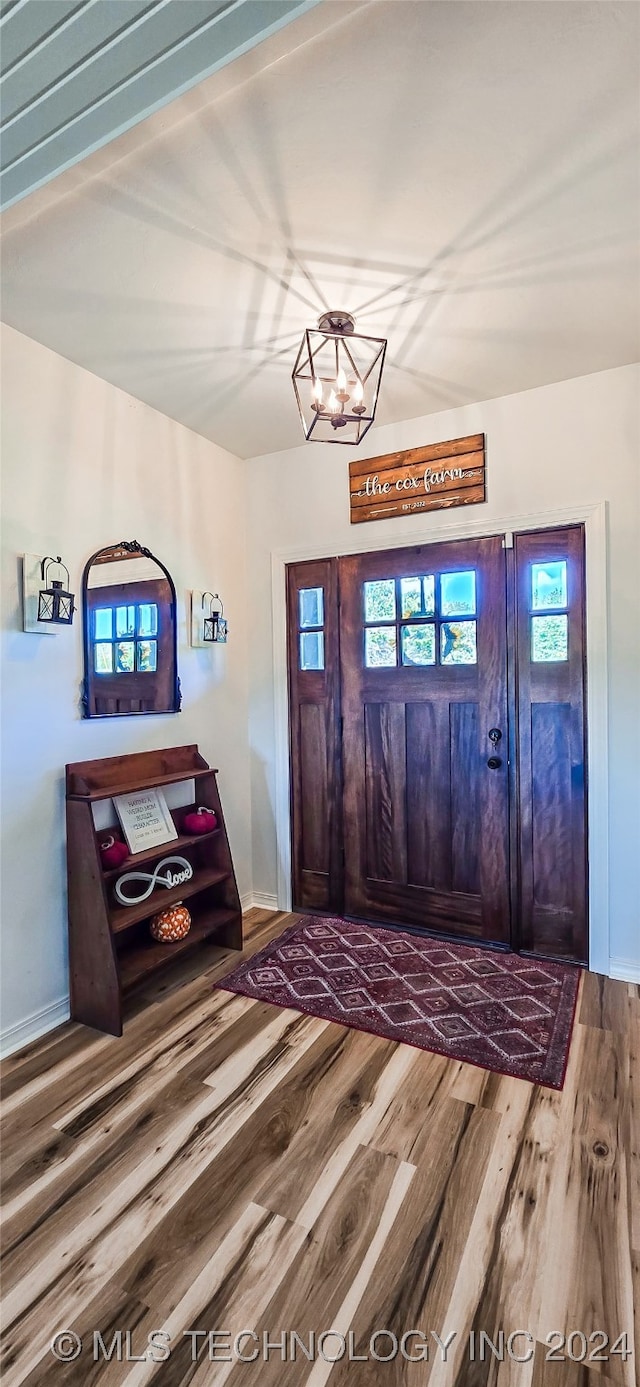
145, 819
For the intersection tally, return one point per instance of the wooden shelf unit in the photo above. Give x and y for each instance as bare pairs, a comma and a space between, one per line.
110, 947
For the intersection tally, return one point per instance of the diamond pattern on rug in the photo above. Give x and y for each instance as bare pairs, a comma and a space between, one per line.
495, 1010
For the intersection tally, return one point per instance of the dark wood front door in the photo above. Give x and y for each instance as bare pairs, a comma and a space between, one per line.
424, 672
437, 726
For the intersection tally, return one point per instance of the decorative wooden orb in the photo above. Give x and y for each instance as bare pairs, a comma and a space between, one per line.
171, 925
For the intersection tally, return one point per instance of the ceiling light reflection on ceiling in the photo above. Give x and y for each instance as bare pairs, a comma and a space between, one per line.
336, 379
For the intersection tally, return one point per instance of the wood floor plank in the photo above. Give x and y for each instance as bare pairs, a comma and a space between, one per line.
604, 1004
352, 1227
258, 1163
105, 1317
238, 1280
100, 1167
228, 1163
412, 1284
109, 1115
394, 1074
589, 1282
475, 1256
141, 1196
633, 1096
328, 1110
482, 1087
567, 1373
512, 1288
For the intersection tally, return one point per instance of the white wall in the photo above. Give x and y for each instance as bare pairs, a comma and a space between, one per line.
85, 465
559, 446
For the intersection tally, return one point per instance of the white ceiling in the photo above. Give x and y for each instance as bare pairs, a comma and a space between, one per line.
464, 177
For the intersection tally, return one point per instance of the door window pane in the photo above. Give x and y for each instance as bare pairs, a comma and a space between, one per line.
458, 643
147, 657
458, 593
103, 659
311, 650
125, 656
549, 638
380, 600
411, 596
125, 621
429, 591
548, 585
148, 619
380, 647
417, 596
419, 645
311, 602
103, 623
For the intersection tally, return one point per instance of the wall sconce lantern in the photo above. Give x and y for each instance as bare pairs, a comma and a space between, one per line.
55, 603
336, 380
215, 626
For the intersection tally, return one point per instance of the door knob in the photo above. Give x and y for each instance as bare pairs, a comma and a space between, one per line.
494, 763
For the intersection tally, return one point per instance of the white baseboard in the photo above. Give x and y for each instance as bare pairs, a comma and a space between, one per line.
261, 900
625, 969
39, 1023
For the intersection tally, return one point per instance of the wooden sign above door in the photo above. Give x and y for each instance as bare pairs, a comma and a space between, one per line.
418, 479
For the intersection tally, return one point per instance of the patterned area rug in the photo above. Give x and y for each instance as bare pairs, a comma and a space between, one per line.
499, 1011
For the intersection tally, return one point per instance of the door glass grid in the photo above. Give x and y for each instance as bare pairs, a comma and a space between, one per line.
311, 628
408, 620
549, 611
117, 644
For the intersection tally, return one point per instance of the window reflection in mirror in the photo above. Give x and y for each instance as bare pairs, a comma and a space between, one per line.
129, 610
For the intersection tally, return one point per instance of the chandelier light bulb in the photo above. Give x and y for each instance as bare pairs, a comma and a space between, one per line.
316, 402
341, 386
334, 403
358, 406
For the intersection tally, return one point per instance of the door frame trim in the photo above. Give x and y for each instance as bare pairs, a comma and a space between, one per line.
594, 518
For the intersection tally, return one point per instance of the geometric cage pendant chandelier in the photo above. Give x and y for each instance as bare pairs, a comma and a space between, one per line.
336, 379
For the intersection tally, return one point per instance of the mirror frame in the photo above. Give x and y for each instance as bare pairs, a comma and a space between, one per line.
131, 546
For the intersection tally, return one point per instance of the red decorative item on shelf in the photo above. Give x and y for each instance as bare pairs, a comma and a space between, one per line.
200, 821
171, 925
113, 851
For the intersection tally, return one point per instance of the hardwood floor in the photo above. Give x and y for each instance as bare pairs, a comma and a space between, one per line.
231, 1166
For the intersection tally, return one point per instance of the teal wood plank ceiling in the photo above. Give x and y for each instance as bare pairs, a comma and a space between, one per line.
77, 73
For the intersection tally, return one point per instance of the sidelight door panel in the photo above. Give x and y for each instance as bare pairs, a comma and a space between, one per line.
550, 743
314, 732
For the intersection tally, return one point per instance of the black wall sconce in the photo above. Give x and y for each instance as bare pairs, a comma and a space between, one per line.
55, 603
214, 626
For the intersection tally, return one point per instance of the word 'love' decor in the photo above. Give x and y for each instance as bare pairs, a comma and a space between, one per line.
163, 876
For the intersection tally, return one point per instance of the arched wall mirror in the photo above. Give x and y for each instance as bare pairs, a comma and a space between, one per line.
130, 641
